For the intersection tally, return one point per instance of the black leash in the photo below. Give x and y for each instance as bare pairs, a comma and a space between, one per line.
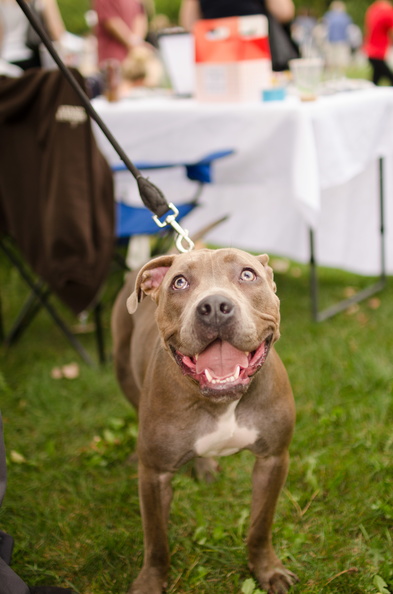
151, 196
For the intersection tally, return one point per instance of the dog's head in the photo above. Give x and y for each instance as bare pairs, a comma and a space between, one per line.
217, 314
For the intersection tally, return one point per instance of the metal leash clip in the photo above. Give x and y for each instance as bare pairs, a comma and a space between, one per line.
182, 233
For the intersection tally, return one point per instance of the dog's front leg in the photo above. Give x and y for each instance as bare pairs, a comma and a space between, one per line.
268, 478
155, 495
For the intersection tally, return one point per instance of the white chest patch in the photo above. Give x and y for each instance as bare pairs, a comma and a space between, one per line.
227, 438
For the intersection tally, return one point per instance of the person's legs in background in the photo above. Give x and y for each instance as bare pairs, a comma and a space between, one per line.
380, 70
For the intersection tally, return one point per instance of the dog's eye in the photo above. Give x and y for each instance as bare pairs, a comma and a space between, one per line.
248, 275
179, 283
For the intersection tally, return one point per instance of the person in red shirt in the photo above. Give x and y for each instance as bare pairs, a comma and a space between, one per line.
121, 26
378, 34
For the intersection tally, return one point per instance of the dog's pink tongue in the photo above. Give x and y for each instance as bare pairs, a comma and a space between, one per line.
221, 359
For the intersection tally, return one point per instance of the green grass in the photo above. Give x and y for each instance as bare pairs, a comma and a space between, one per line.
72, 503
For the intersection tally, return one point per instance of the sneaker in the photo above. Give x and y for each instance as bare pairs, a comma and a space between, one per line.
6, 546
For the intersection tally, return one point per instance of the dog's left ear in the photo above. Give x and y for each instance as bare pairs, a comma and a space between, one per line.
149, 280
264, 260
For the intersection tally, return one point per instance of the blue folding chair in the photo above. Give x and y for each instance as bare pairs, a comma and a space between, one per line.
131, 221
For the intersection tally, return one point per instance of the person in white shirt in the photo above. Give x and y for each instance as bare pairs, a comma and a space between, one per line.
14, 27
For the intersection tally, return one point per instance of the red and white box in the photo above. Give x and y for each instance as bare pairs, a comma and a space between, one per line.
232, 58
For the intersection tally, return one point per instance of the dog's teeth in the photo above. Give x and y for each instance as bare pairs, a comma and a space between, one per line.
224, 380
196, 358
246, 353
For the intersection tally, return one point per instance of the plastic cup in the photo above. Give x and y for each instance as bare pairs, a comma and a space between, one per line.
306, 74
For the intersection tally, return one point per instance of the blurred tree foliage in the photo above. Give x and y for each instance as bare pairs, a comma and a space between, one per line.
355, 8
73, 11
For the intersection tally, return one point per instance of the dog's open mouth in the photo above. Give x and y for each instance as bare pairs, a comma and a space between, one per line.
223, 368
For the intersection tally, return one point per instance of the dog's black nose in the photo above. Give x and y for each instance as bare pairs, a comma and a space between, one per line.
215, 310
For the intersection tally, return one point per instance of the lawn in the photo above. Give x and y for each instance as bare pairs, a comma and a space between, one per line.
72, 504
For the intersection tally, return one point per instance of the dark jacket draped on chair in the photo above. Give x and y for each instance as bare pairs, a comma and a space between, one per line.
56, 191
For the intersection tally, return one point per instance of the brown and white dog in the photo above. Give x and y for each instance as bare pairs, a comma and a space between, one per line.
198, 363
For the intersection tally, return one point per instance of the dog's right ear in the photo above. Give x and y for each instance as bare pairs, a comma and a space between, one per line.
149, 280
264, 260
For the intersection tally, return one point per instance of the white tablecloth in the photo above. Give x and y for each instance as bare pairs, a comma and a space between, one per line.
295, 165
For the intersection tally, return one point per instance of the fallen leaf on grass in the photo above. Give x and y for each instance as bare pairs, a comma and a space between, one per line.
374, 303
56, 373
349, 291
70, 371
16, 457
296, 272
362, 318
279, 265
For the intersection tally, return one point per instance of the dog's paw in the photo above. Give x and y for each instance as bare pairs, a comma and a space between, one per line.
277, 580
281, 581
206, 469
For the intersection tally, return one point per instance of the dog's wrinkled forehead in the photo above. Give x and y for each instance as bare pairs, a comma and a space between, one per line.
207, 265
217, 267
220, 266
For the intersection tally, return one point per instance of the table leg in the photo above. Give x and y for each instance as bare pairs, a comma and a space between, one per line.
320, 316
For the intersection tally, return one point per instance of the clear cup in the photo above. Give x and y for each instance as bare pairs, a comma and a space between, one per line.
306, 74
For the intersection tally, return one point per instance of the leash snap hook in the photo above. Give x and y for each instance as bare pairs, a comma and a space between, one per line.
182, 234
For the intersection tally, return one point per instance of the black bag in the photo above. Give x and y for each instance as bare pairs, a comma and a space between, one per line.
33, 40
282, 48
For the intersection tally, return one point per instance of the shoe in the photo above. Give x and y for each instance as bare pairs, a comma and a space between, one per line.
6, 546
